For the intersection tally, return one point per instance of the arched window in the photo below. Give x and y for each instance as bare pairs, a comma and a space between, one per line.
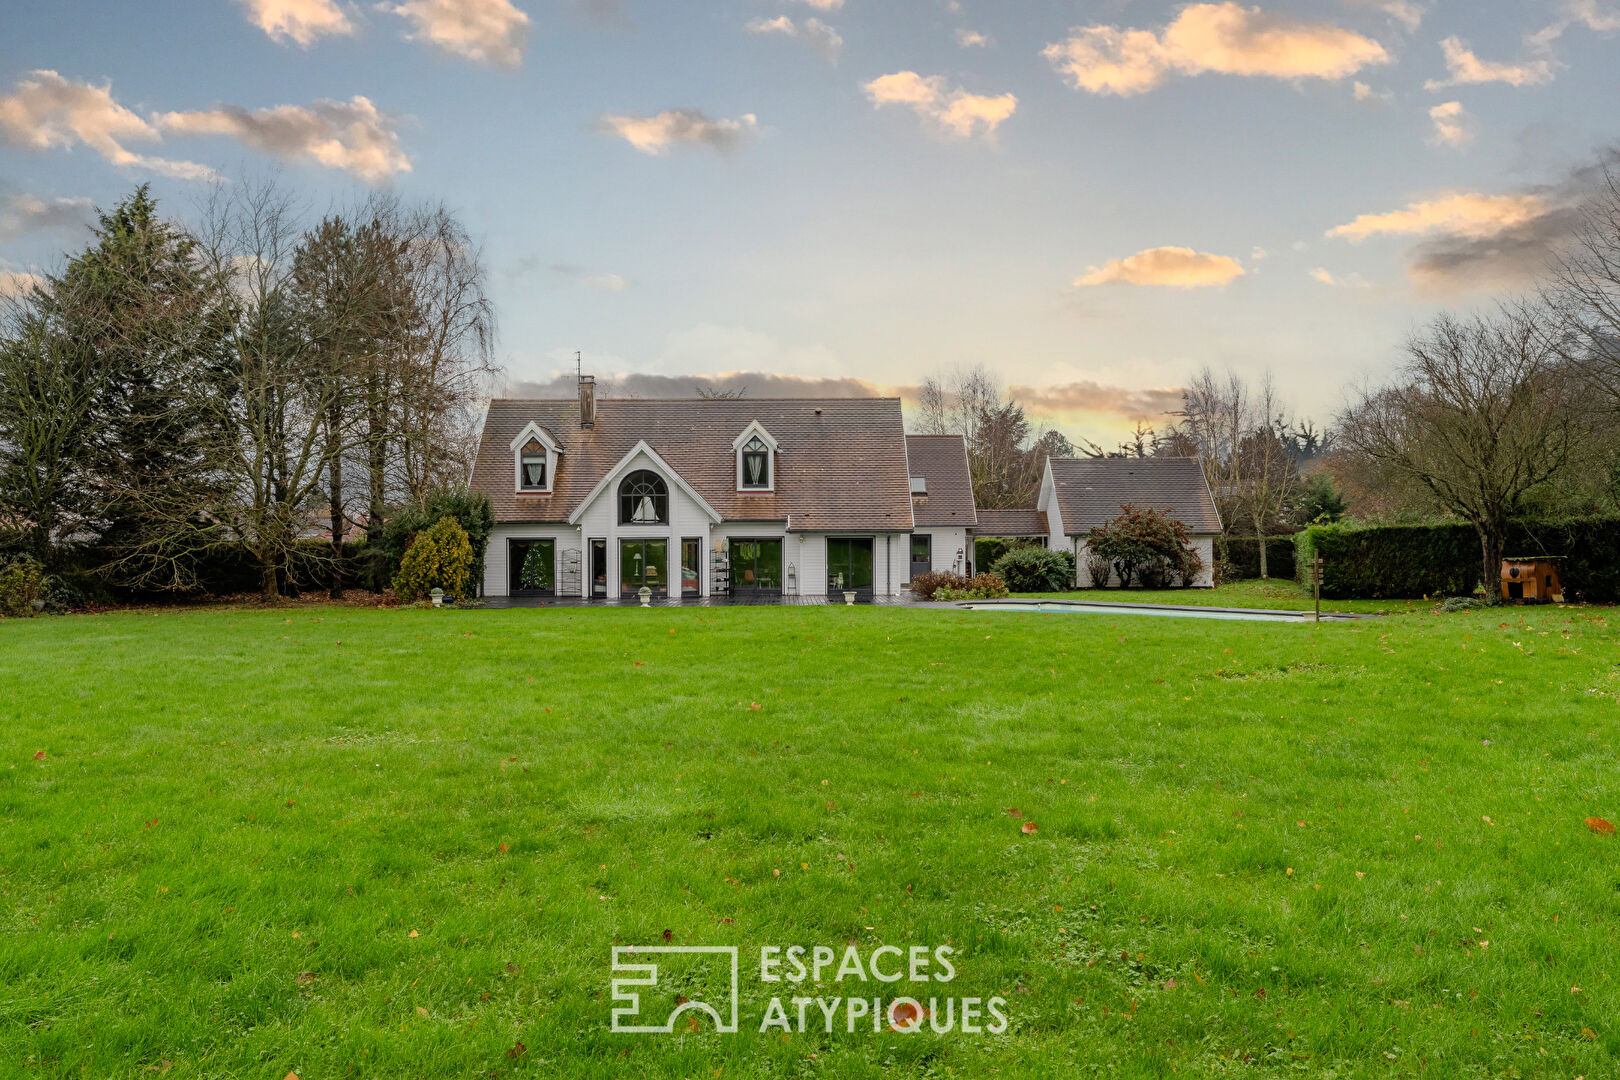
532, 466
643, 499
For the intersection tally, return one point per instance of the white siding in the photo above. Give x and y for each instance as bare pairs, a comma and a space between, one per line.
496, 572
943, 547
720, 536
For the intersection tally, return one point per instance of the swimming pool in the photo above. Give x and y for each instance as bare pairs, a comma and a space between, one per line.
1184, 611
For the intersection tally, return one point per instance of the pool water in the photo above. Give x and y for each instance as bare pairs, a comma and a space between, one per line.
1183, 612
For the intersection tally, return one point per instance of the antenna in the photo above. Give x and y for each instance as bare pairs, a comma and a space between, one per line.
579, 367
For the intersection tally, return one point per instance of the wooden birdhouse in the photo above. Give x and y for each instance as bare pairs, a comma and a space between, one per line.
1532, 580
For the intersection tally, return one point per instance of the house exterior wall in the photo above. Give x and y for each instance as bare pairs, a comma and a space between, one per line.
942, 548
497, 571
1203, 543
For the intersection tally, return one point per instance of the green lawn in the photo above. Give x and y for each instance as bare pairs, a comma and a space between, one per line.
1279, 594
371, 843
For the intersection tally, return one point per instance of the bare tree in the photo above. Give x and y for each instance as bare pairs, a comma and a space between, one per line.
1267, 470
1006, 451
1585, 290
1479, 417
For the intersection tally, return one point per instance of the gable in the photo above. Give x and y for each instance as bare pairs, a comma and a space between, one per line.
1090, 491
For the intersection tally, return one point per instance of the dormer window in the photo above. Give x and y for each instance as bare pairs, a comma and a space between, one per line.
756, 465
534, 460
532, 466
756, 460
643, 499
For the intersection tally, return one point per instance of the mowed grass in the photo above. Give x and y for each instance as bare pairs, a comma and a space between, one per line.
1278, 594
367, 843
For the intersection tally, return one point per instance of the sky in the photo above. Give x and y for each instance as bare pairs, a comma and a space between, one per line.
1092, 198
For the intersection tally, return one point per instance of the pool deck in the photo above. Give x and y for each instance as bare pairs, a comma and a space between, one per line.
1204, 611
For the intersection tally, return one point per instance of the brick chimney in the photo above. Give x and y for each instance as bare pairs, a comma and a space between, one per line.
587, 402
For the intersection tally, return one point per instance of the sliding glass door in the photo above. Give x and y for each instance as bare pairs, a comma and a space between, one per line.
643, 562
532, 567
849, 564
756, 566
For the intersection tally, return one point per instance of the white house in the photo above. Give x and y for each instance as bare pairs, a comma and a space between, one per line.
1078, 494
705, 497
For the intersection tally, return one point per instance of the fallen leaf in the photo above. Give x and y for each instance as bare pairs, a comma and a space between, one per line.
669, 935
516, 1051
421, 1011
1013, 811
503, 845
1599, 826
1029, 827
304, 978
39, 755
413, 933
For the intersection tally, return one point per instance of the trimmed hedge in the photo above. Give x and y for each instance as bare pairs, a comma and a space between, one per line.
1399, 561
1243, 557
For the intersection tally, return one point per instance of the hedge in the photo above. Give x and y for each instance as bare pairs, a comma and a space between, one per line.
1391, 561
1243, 557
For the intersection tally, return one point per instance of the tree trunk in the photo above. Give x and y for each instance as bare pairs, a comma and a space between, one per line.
1490, 542
1260, 539
268, 590
336, 496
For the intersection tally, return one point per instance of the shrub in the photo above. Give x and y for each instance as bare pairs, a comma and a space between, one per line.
1462, 603
1142, 542
1389, 561
923, 586
22, 584
440, 557
383, 552
1099, 568
987, 586
1034, 569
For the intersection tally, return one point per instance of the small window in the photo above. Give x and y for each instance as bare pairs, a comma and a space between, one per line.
756, 464
919, 485
643, 499
532, 466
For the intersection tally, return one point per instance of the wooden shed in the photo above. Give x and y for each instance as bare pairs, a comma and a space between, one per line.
1532, 579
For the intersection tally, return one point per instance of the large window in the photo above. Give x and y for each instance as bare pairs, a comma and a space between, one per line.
849, 564
643, 562
532, 567
643, 499
756, 464
756, 566
691, 566
532, 466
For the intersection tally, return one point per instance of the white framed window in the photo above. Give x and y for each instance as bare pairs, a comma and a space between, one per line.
756, 460
535, 455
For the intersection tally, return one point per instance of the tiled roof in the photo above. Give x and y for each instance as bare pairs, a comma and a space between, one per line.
841, 463
941, 460
1090, 491
1012, 523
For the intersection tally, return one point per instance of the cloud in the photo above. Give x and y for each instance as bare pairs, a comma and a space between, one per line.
656, 134
1469, 215
1169, 267
484, 31
1324, 276
1224, 38
14, 283
954, 113
45, 111
820, 38
1363, 92
1451, 127
824, 5
1463, 68
1404, 13
1092, 397
21, 213
605, 282
969, 39
301, 21
1475, 241
351, 135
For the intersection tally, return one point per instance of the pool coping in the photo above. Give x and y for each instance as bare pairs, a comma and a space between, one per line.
1127, 607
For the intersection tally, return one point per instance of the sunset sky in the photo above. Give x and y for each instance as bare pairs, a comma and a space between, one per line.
1092, 198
